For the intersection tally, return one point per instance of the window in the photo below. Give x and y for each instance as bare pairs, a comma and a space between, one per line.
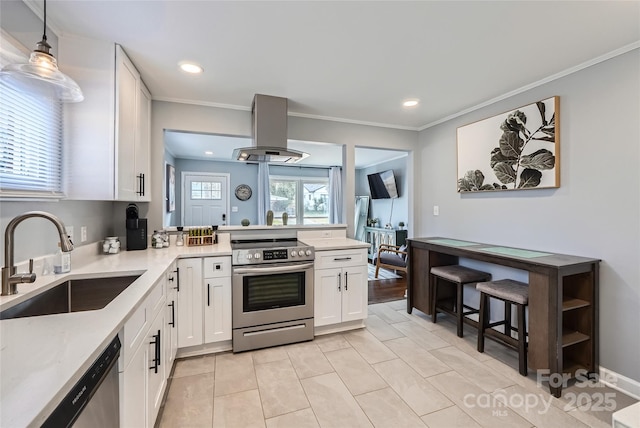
304, 199
206, 190
30, 137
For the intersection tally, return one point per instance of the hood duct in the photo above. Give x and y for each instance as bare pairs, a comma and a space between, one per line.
269, 133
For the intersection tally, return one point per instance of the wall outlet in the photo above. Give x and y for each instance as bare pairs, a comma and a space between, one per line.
83, 234
234, 209
69, 230
436, 210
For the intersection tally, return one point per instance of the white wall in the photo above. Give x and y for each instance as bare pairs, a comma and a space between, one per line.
594, 213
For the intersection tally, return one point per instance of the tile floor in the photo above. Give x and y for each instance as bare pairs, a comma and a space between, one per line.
401, 371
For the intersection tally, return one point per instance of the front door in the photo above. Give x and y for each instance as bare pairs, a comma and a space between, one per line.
205, 199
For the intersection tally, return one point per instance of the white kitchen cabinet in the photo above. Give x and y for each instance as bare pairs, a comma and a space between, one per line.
204, 303
217, 299
107, 136
190, 317
143, 371
171, 318
340, 286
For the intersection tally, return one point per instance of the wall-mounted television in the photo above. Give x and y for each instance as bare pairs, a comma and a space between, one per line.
383, 185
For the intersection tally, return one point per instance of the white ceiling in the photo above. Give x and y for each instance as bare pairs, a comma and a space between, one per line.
353, 61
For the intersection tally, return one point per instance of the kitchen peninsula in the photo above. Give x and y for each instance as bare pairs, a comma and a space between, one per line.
42, 357
563, 301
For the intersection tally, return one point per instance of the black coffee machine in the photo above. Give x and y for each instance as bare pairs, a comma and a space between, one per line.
136, 229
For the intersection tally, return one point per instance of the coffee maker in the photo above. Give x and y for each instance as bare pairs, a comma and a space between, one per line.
136, 229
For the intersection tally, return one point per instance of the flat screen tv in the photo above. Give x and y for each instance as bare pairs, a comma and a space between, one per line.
383, 185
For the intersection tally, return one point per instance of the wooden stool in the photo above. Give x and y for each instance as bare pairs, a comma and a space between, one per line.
458, 275
510, 292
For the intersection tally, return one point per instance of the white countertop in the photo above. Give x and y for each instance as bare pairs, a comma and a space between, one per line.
41, 358
325, 244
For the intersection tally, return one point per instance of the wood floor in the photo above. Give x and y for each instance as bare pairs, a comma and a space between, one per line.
387, 290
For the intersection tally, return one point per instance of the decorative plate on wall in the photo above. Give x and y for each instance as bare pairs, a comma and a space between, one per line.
243, 192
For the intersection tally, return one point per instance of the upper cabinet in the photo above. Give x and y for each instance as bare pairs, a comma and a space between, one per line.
107, 136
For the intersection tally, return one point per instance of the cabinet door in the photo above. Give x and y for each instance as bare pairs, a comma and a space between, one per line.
127, 93
217, 309
171, 329
354, 293
156, 369
190, 302
327, 296
133, 390
143, 144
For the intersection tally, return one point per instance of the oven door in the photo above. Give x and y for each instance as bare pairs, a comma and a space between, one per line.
270, 294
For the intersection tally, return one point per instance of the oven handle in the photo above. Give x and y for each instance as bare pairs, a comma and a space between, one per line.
276, 269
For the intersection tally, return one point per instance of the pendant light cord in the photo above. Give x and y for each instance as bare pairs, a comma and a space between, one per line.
44, 30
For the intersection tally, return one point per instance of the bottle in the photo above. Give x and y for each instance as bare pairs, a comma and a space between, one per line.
62, 261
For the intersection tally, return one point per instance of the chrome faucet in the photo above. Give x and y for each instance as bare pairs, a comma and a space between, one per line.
11, 279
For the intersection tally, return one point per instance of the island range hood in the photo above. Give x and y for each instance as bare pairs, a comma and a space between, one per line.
269, 133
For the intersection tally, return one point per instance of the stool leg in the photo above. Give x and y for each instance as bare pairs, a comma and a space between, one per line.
507, 318
459, 297
482, 321
522, 341
434, 301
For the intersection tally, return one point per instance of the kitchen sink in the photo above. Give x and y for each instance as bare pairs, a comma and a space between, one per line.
75, 295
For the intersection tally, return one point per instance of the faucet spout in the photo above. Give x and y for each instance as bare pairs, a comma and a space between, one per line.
9, 277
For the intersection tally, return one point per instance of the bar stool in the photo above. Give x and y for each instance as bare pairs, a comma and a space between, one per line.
511, 293
458, 275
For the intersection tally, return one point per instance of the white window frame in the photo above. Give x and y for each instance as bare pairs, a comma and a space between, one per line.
300, 191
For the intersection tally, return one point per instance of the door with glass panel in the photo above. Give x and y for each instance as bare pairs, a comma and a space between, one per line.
205, 199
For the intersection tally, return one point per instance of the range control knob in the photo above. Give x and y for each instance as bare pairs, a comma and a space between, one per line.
293, 253
308, 252
301, 253
256, 256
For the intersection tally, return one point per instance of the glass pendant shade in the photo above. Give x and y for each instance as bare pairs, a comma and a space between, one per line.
41, 75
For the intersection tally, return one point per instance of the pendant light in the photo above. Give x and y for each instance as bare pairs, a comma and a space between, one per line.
41, 74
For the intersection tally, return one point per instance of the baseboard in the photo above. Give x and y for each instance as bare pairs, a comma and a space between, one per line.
619, 382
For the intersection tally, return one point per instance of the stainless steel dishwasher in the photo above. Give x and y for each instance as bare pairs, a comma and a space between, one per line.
94, 400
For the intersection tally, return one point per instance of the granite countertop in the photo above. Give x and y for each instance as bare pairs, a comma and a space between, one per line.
42, 357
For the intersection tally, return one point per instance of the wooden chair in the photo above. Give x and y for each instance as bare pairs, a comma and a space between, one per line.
392, 257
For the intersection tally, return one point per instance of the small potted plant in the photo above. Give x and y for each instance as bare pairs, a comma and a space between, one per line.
401, 225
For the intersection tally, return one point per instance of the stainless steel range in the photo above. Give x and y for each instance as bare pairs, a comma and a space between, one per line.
272, 292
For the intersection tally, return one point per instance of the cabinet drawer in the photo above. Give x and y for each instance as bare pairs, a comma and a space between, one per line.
341, 258
136, 327
216, 267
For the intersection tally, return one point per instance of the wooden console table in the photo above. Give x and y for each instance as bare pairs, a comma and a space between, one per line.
563, 299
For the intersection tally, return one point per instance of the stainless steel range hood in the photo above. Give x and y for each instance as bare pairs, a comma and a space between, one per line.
269, 133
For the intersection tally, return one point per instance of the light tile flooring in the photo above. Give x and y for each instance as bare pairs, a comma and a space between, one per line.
401, 371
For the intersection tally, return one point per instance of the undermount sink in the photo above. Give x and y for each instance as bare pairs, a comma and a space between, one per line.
75, 295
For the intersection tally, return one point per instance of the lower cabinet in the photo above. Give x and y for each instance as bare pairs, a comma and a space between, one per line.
340, 286
144, 368
171, 318
204, 303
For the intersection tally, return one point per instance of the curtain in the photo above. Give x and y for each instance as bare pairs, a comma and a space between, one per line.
264, 194
335, 195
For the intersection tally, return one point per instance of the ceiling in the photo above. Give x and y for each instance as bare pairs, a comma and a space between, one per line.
353, 61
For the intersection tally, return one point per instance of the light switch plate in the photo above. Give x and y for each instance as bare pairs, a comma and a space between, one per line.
436, 210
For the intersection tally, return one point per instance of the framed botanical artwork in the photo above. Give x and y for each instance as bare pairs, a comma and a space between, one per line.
515, 150
171, 188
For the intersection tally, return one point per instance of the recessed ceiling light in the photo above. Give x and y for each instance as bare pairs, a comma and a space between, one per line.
410, 103
208, 153
190, 67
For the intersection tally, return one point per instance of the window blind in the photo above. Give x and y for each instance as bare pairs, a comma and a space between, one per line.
30, 142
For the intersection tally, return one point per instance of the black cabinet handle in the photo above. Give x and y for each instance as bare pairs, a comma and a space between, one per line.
339, 282
173, 313
156, 357
177, 271
208, 294
346, 281
141, 184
